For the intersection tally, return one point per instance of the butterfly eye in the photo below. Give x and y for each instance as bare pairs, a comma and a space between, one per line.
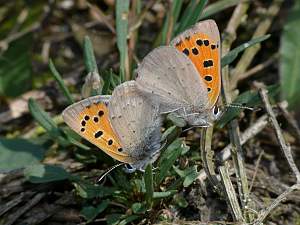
129, 168
216, 112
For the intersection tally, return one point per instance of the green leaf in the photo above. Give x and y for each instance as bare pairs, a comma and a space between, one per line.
290, 57
232, 55
60, 82
148, 177
89, 57
248, 98
40, 173
191, 15
15, 68
45, 121
113, 219
91, 212
176, 119
165, 164
90, 191
180, 201
171, 19
164, 194
128, 219
122, 11
217, 7
18, 153
190, 174
138, 208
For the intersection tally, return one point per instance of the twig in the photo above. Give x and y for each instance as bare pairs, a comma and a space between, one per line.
285, 147
264, 213
236, 149
13, 217
258, 67
230, 194
256, 170
290, 119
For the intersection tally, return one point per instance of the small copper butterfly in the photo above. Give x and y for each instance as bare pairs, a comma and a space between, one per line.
186, 76
126, 126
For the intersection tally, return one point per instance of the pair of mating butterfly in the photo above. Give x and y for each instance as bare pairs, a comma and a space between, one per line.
183, 78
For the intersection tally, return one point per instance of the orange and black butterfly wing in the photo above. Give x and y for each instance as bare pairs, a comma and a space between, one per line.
90, 119
201, 44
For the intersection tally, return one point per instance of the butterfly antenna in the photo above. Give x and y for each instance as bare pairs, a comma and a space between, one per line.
108, 171
239, 106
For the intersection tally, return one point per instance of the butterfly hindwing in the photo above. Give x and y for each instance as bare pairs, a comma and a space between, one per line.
136, 121
90, 119
201, 44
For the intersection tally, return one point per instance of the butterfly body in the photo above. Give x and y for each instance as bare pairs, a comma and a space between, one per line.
116, 126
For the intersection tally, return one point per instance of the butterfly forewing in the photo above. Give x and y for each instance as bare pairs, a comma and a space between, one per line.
201, 44
90, 119
135, 120
169, 77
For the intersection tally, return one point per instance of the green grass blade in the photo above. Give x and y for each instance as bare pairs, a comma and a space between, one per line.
122, 9
290, 57
46, 121
232, 55
191, 15
171, 20
89, 56
60, 82
148, 177
217, 7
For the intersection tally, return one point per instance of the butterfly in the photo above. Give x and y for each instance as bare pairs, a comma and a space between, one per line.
186, 76
126, 125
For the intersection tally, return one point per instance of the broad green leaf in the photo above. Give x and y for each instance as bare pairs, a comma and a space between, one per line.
232, 55
249, 99
113, 219
41, 173
91, 212
122, 12
15, 68
60, 82
148, 177
217, 7
18, 153
290, 57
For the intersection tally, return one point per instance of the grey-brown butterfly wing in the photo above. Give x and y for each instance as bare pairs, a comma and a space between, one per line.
169, 77
137, 123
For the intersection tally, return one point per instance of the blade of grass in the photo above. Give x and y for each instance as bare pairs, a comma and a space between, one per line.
122, 9
191, 15
60, 82
232, 55
217, 7
148, 177
45, 121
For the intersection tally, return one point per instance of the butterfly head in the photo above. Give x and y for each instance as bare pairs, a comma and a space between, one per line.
203, 119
